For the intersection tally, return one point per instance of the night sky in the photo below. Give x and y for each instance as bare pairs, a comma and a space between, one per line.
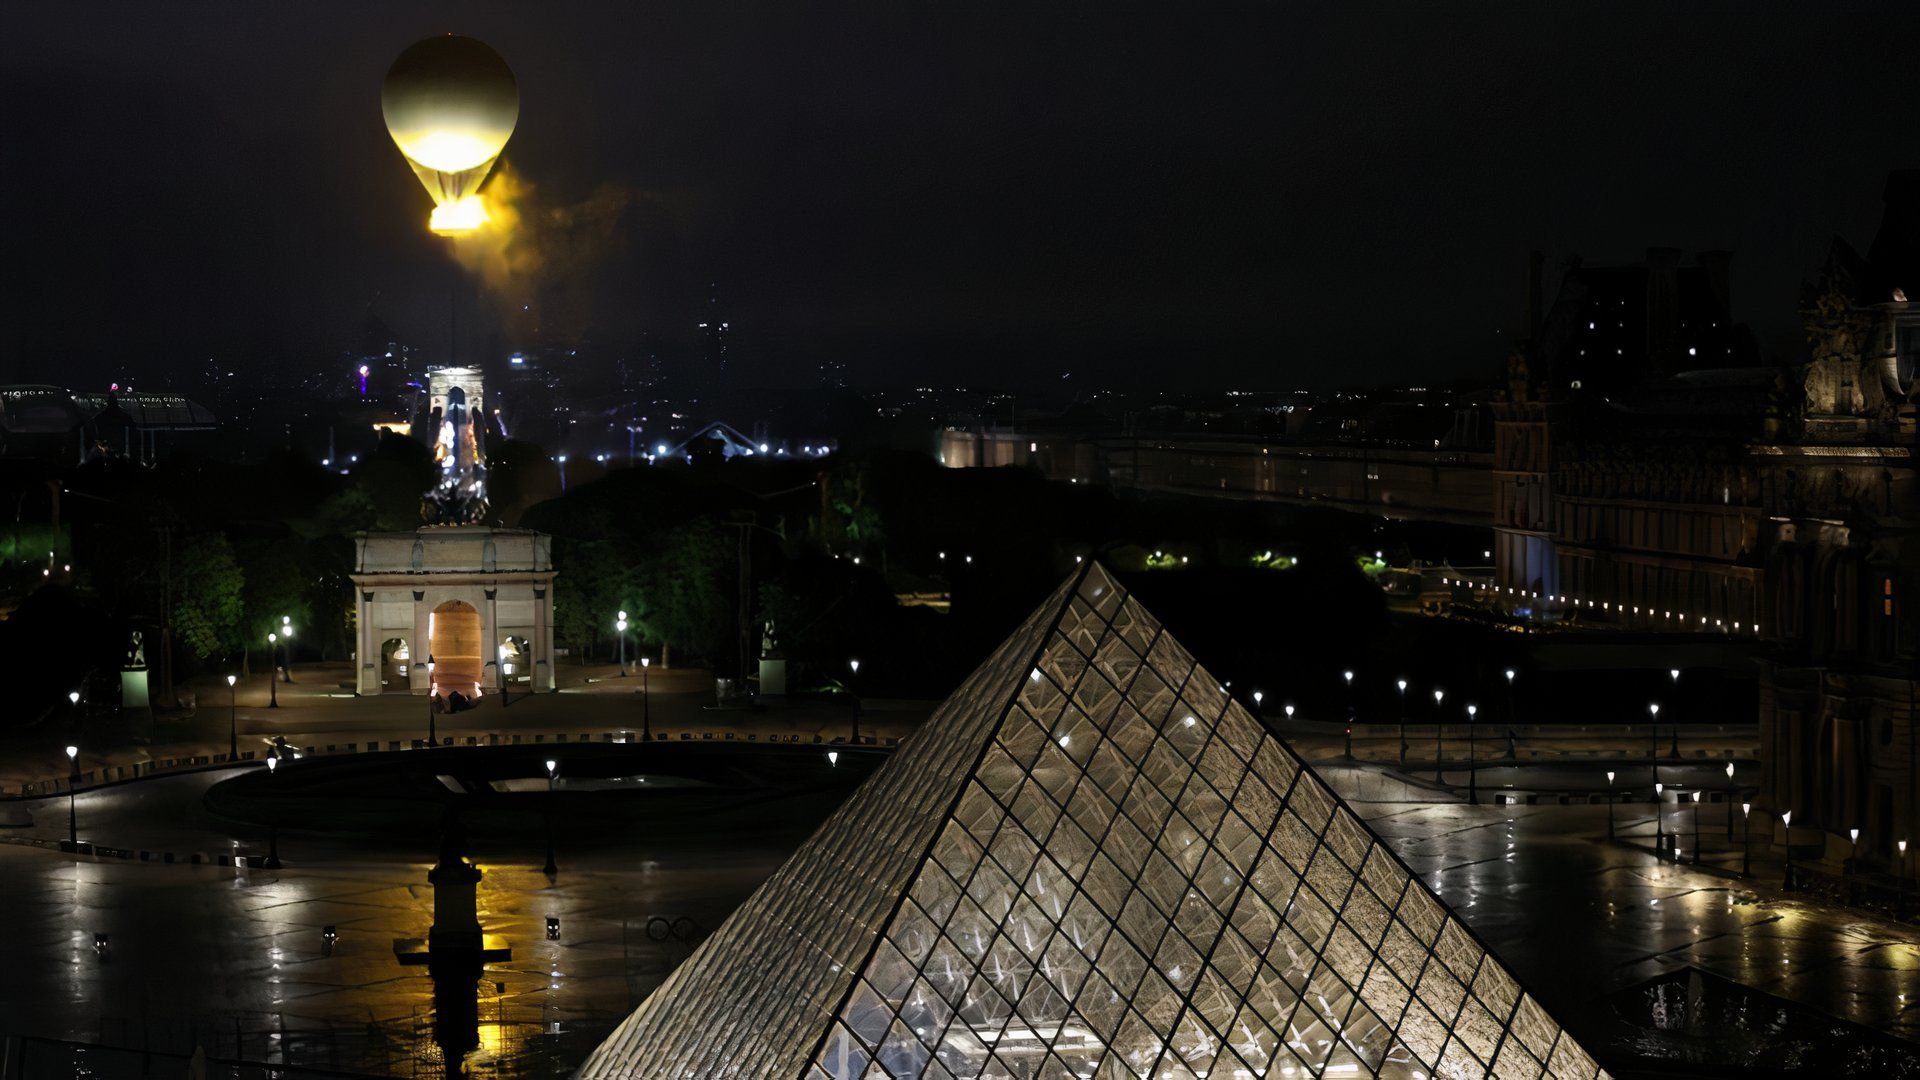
1259, 196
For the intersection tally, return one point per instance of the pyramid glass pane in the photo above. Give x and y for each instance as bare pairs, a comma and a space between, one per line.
1091, 861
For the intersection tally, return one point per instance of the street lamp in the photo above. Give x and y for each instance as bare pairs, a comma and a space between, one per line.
1674, 673
1653, 744
1513, 718
1348, 676
273, 655
1729, 802
646, 701
551, 868
1402, 684
1786, 829
73, 777
286, 643
1473, 786
1609, 804
1439, 730
1746, 838
1257, 695
233, 719
1659, 836
433, 734
853, 666
620, 628
1696, 828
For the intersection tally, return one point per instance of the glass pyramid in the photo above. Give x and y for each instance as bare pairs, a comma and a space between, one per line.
1091, 862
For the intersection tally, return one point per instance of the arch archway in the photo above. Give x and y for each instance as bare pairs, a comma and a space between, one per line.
394, 658
454, 645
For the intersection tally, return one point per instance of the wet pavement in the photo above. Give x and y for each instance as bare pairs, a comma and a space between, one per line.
234, 959
1577, 918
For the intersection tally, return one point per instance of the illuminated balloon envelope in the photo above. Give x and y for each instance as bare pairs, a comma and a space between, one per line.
450, 104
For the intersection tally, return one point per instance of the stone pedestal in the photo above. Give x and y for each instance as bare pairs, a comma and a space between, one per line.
133, 689
470, 591
773, 678
456, 918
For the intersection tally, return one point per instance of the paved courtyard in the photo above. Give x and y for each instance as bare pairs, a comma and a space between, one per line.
232, 959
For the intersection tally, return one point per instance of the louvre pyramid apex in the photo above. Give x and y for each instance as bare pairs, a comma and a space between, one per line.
1091, 862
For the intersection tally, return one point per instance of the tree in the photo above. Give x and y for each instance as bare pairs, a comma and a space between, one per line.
686, 582
276, 584
207, 590
593, 584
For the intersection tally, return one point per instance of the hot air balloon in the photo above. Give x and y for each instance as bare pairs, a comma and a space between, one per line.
450, 103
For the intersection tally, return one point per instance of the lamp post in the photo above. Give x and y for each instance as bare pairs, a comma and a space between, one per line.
1696, 828
620, 628
551, 868
1674, 729
1786, 829
233, 719
1473, 782
433, 734
273, 681
273, 830
1746, 838
646, 702
286, 644
1729, 802
853, 666
1439, 729
1348, 676
1659, 812
73, 778
1853, 855
1609, 804
1513, 717
1653, 745
1403, 722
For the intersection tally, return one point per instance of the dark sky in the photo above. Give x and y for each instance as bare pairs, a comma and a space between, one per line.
1179, 194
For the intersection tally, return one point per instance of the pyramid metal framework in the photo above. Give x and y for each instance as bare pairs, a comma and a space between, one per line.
1091, 862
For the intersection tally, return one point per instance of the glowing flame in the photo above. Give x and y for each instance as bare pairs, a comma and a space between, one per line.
459, 217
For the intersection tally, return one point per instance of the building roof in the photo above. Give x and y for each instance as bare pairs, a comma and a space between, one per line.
150, 412
1091, 860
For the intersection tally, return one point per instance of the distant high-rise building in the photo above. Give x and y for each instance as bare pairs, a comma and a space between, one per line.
714, 328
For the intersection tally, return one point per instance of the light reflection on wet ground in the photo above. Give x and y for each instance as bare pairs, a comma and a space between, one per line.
1577, 918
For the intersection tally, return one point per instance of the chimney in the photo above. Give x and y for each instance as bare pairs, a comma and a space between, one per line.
1663, 311
1536, 268
1716, 266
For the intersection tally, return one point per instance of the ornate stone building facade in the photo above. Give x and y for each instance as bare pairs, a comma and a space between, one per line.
475, 600
1777, 503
